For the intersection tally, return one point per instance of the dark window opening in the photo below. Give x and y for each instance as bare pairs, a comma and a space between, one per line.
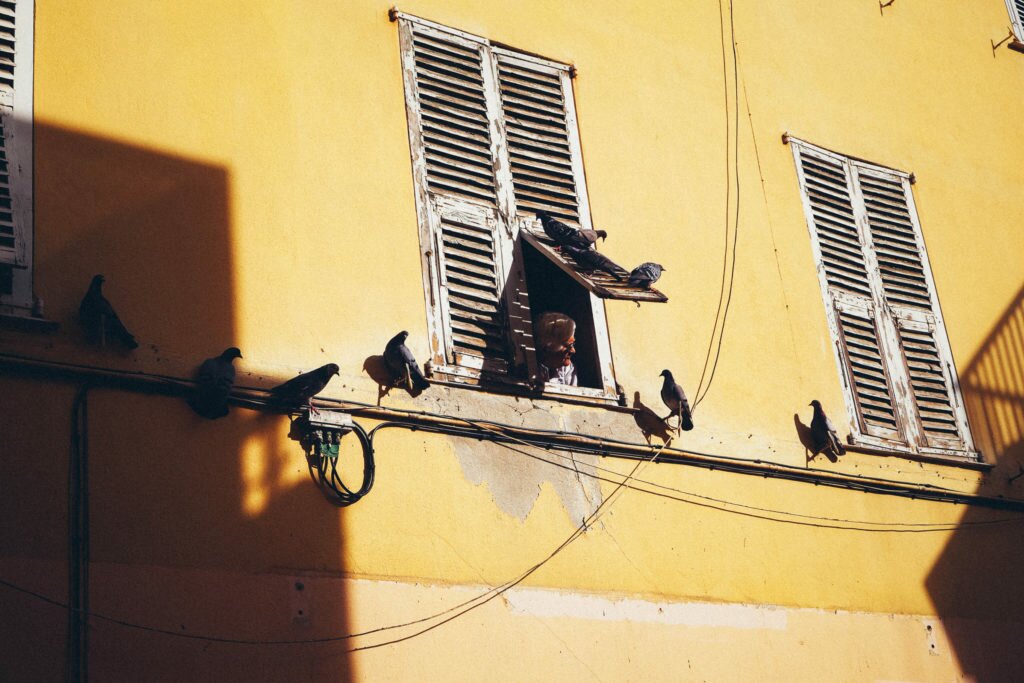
6, 280
550, 289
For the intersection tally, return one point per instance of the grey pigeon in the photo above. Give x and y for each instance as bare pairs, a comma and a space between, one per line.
401, 364
645, 275
823, 433
100, 319
675, 398
299, 390
214, 380
568, 236
592, 260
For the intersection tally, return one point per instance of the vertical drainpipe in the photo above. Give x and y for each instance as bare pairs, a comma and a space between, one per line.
77, 653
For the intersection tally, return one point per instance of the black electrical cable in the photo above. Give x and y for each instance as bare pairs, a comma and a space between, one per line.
699, 397
469, 605
728, 190
324, 471
175, 386
77, 637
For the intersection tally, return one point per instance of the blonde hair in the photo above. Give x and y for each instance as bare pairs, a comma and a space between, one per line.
553, 329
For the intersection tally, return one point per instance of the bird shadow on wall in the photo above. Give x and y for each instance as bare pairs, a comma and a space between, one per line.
975, 584
803, 433
377, 370
649, 422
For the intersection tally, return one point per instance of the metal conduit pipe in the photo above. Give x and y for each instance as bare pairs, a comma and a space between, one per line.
255, 398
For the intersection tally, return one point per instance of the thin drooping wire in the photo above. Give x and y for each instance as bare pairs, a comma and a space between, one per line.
843, 524
736, 214
462, 608
580, 530
728, 190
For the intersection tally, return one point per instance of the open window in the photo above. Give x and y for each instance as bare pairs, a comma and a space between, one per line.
16, 55
494, 140
901, 388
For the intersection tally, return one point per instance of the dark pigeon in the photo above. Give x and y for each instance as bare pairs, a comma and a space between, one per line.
823, 433
299, 390
100, 319
214, 380
568, 236
402, 366
674, 397
592, 260
645, 275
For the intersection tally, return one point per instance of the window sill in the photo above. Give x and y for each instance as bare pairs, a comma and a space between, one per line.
963, 461
26, 323
468, 379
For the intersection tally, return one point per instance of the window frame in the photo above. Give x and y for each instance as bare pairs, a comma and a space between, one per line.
887, 318
19, 148
1016, 20
509, 221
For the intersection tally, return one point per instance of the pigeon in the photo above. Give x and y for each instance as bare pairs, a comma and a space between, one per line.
591, 259
645, 275
214, 380
674, 397
402, 365
567, 236
100, 319
823, 433
299, 390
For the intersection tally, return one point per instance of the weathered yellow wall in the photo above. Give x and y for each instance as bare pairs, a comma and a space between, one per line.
240, 173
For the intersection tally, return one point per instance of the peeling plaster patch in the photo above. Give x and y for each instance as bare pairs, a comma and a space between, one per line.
513, 479
546, 603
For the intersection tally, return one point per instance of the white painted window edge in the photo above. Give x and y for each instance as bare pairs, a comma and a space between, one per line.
20, 157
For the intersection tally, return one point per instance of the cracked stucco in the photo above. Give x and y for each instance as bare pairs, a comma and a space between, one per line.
514, 480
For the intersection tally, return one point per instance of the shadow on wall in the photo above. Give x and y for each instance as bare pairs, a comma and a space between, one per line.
198, 527
976, 584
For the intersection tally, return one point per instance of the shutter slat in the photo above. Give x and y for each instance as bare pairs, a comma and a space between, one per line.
929, 386
871, 390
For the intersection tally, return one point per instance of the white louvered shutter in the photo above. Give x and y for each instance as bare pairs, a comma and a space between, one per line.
540, 139
875, 276
896, 244
454, 129
830, 206
1016, 10
13, 249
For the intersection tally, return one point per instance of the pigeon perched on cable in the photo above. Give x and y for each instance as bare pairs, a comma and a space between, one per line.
592, 259
568, 236
214, 380
299, 390
674, 397
402, 366
645, 275
99, 318
823, 433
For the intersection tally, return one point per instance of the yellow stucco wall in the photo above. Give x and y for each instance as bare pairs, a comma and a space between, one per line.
240, 173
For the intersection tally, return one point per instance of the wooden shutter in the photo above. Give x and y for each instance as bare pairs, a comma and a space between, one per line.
471, 300
895, 243
1016, 9
930, 385
828, 199
885, 315
457, 139
894, 240
830, 206
13, 249
539, 138
866, 370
